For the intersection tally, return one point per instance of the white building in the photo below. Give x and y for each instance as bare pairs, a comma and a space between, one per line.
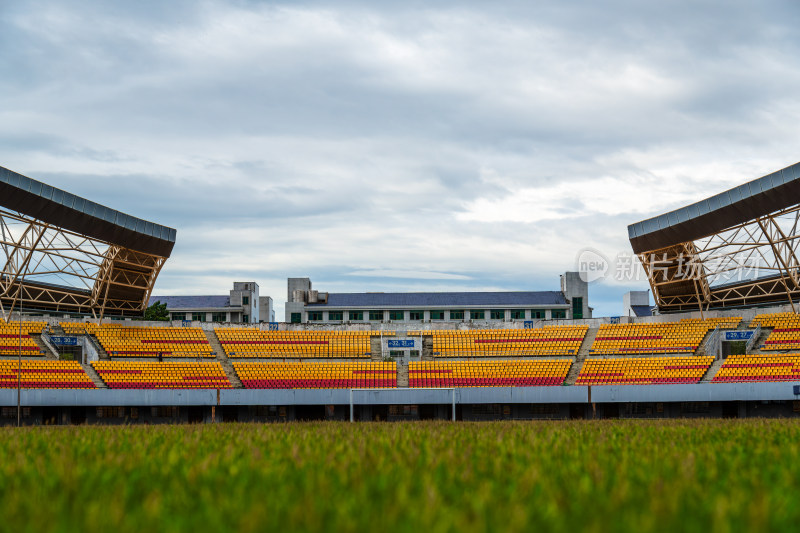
243, 304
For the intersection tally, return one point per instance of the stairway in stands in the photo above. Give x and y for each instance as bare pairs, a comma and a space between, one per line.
583, 353
427, 348
375, 348
712, 370
402, 374
92, 373
222, 358
48, 353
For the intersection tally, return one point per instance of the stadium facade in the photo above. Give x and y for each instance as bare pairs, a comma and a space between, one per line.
736, 249
66, 254
305, 305
243, 304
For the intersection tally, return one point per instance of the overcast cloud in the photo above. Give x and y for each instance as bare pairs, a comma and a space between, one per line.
397, 146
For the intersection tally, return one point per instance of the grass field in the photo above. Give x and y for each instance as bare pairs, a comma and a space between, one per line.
416, 477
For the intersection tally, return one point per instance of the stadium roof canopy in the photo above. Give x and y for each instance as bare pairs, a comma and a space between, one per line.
64, 253
737, 248
442, 299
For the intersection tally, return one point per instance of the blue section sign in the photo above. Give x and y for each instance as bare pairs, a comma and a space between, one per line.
273, 326
409, 343
528, 324
64, 341
739, 335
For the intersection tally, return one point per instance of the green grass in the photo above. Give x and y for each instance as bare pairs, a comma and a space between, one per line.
413, 477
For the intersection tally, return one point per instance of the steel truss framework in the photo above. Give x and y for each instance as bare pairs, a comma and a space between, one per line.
752, 263
52, 269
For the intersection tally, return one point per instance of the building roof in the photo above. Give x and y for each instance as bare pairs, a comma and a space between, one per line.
443, 299
192, 302
751, 200
643, 310
70, 212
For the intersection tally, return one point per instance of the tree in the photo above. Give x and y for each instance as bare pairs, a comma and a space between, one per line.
157, 311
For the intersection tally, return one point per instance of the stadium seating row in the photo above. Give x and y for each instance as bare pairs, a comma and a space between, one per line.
543, 372
786, 332
658, 337
746, 368
643, 370
242, 343
317, 375
150, 342
549, 340
43, 374
167, 375
11, 342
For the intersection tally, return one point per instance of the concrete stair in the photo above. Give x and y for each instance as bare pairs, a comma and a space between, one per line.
222, 358
712, 371
102, 354
92, 373
57, 330
48, 353
375, 348
427, 348
402, 374
760, 342
574, 370
586, 345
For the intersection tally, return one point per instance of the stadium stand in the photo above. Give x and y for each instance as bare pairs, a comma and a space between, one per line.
317, 375
644, 370
744, 368
239, 342
44, 375
432, 374
149, 342
10, 338
156, 375
549, 340
786, 330
81, 328
658, 337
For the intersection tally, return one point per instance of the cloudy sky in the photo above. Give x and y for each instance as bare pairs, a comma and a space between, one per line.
397, 146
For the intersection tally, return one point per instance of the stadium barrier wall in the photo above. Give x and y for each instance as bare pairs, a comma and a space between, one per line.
706, 392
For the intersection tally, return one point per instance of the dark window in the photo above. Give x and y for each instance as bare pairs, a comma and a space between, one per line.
335, 315
246, 318
518, 314
558, 313
537, 313
497, 314
397, 315
245, 300
456, 315
315, 316
178, 316
219, 317
199, 317
296, 318
356, 315
437, 315
416, 315
477, 314
577, 308
376, 315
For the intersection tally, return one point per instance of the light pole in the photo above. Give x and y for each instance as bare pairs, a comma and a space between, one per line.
19, 359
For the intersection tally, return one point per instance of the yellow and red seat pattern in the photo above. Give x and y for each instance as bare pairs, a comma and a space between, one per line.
786, 332
531, 373
251, 342
643, 370
748, 368
11, 342
166, 375
44, 375
317, 375
150, 342
656, 337
549, 340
